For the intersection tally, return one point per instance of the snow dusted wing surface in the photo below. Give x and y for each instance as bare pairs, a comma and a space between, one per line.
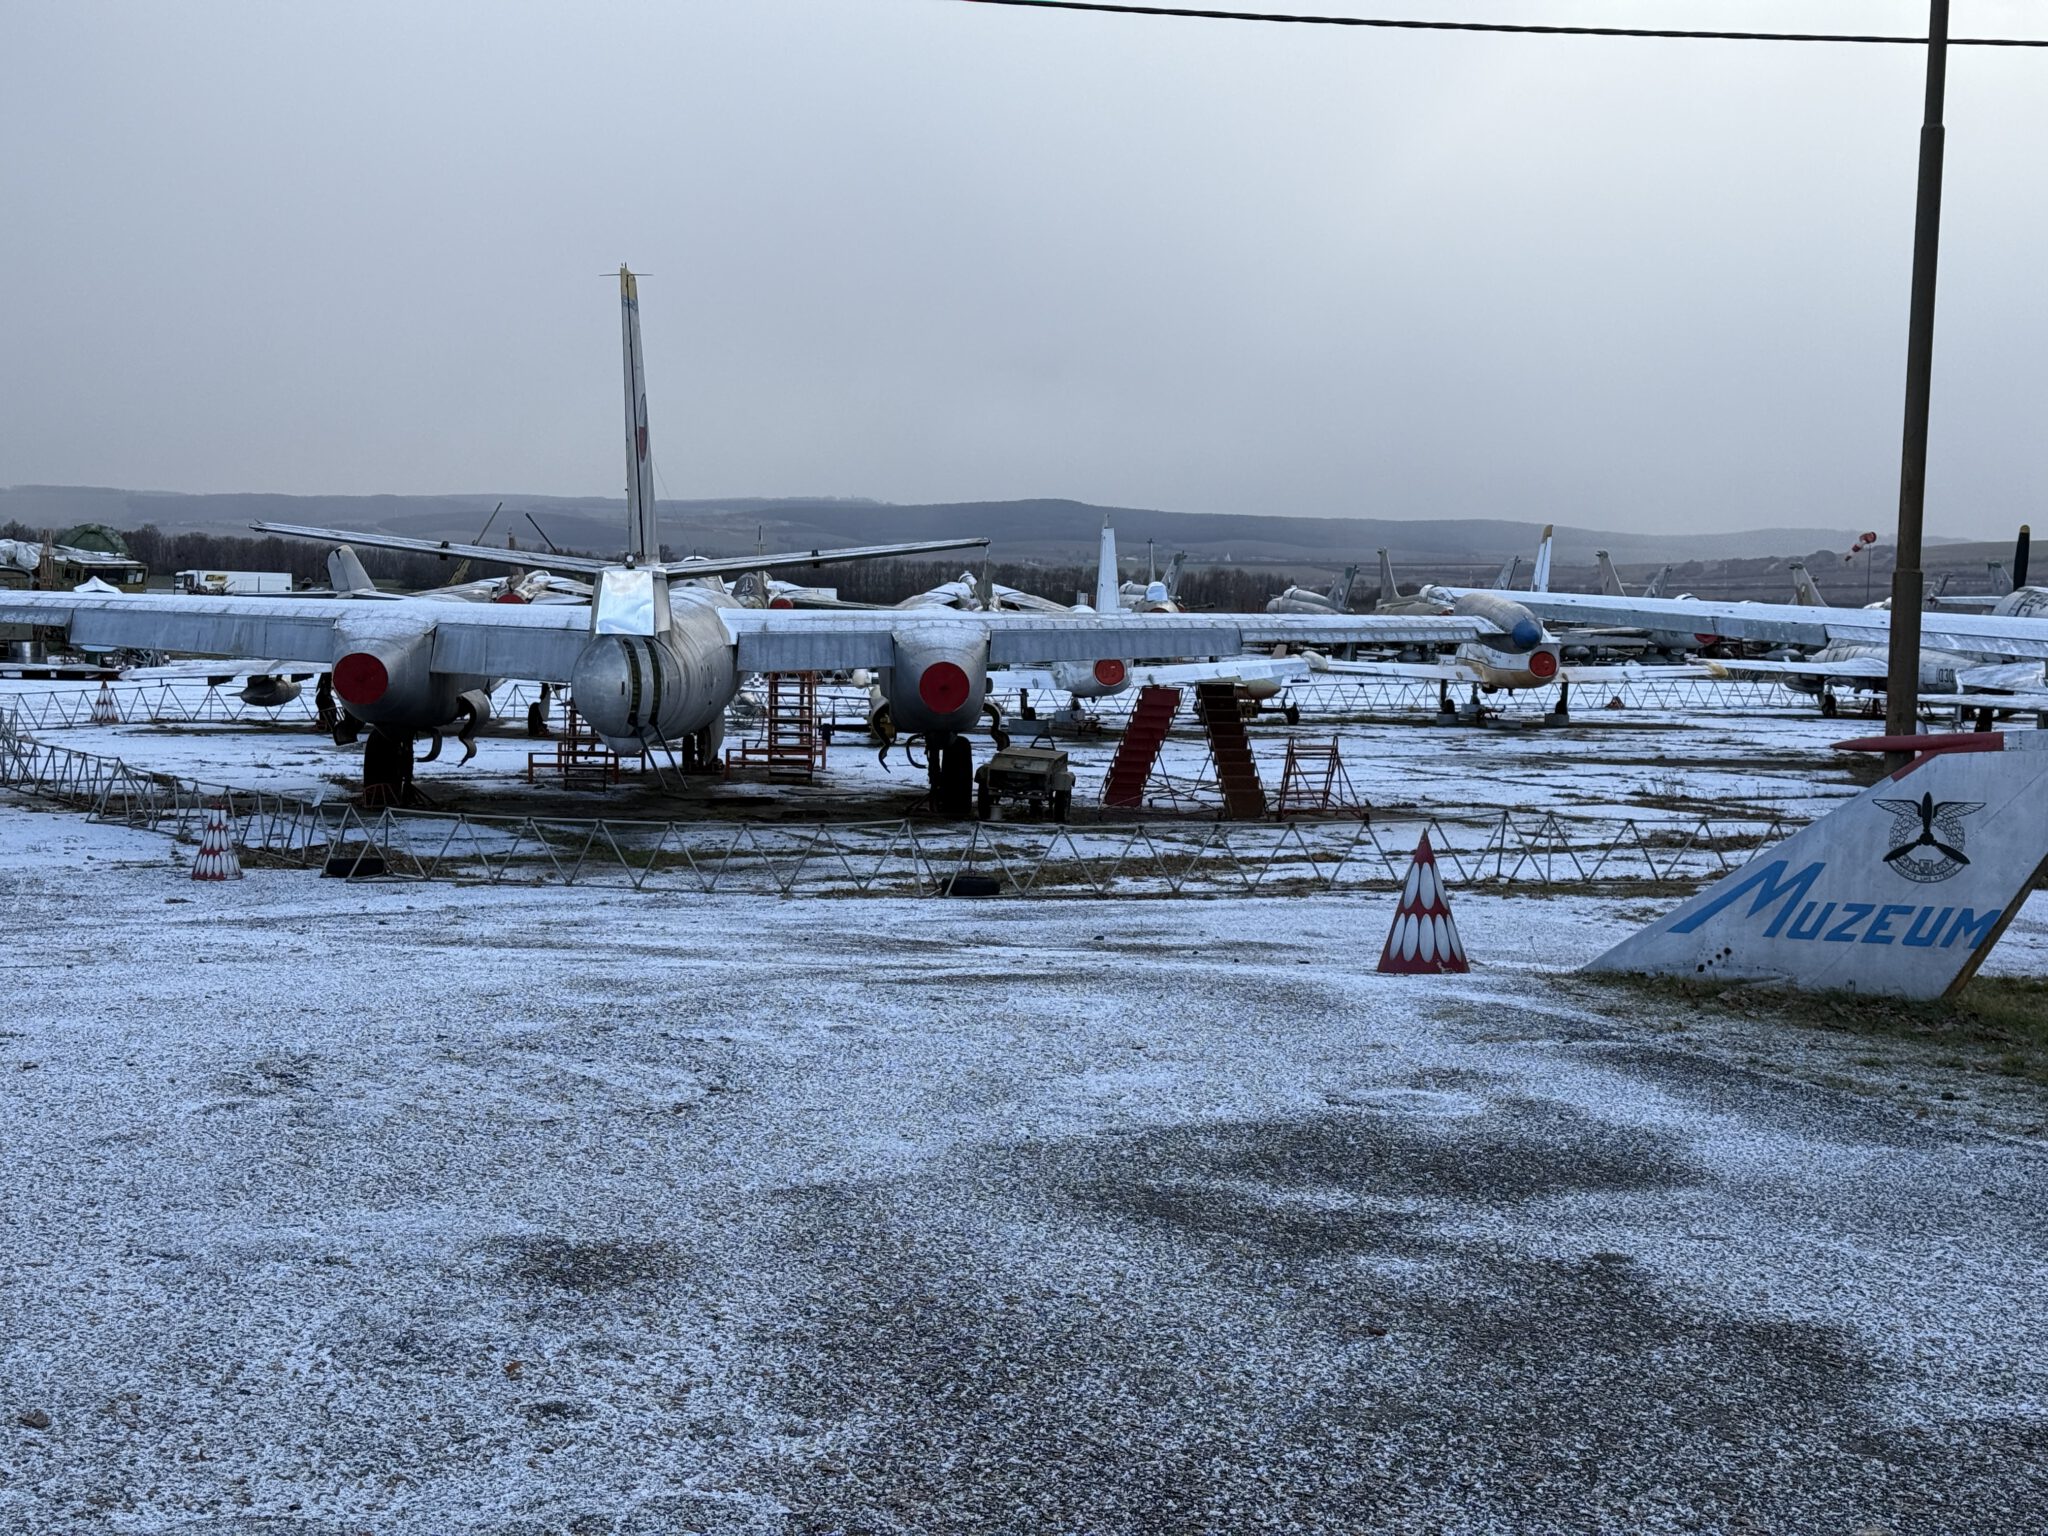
782, 640
1851, 666
481, 639
1788, 624
280, 628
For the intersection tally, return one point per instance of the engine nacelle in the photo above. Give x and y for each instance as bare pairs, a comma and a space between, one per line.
639, 689
266, 691
387, 677
1520, 630
937, 677
1091, 680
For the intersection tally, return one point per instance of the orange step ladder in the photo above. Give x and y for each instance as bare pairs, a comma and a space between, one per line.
1221, 709
1139, 749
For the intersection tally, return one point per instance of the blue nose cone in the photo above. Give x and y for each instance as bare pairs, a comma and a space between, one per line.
1526, 634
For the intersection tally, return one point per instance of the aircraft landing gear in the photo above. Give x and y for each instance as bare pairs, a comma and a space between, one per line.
323, 703
345, 730
701, 749
1828, 706
387, 767
949, 764
1563, 707
537, 711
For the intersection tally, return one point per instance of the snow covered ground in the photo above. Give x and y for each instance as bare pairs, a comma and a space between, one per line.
338, 1208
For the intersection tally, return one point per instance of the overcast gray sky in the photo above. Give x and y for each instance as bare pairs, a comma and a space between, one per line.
918, 251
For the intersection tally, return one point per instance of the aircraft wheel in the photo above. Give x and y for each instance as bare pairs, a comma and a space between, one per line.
956, 776
1828, 706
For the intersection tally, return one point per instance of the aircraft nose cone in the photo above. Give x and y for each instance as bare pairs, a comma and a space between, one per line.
1526, 634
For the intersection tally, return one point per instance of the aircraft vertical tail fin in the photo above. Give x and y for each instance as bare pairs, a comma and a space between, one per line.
1999, 578
1540, 581
1505, 581
345, 572
1901, 891
1610, 578
1173, 570
643, 539
1805, 590
1340, 589
1389, 590
1108, 590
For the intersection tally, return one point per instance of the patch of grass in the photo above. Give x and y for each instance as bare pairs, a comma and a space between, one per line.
1996, 1024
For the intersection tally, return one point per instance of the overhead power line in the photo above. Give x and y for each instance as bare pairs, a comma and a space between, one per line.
1393, 24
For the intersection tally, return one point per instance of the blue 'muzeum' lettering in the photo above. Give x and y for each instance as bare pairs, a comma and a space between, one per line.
1812, 918
1923, 934
1879, 931
1842, 932
1969, 923
1774, 887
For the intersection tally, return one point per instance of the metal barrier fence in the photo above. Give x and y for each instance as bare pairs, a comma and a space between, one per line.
899, 857
181, 701
196, 701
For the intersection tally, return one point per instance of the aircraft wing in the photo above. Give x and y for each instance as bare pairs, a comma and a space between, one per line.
787, 640
544, 560
2008, 676
1872, 667
1628, 672
542, 641
537, 641
1789, 624
1231, 669
1965, 602
1415, 671
2019, 698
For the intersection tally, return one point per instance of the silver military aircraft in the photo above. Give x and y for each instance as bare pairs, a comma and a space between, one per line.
660, 652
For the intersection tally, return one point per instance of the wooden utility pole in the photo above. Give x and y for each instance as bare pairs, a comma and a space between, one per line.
1902, 685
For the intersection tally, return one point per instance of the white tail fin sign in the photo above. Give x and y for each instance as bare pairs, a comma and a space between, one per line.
1505, 581
1540, 582
1902, 891
1610, 578
643, 541
345, 571
1108, 590
1656, 586
1388, 590
1805, 589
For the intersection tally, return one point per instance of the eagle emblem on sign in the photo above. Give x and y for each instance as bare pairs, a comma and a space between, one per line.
1927, 836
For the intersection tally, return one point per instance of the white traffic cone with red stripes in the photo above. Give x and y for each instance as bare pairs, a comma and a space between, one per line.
105, 709
1424, 940
216, 859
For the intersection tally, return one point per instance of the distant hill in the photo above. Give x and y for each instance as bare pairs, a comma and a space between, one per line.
1049, 531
